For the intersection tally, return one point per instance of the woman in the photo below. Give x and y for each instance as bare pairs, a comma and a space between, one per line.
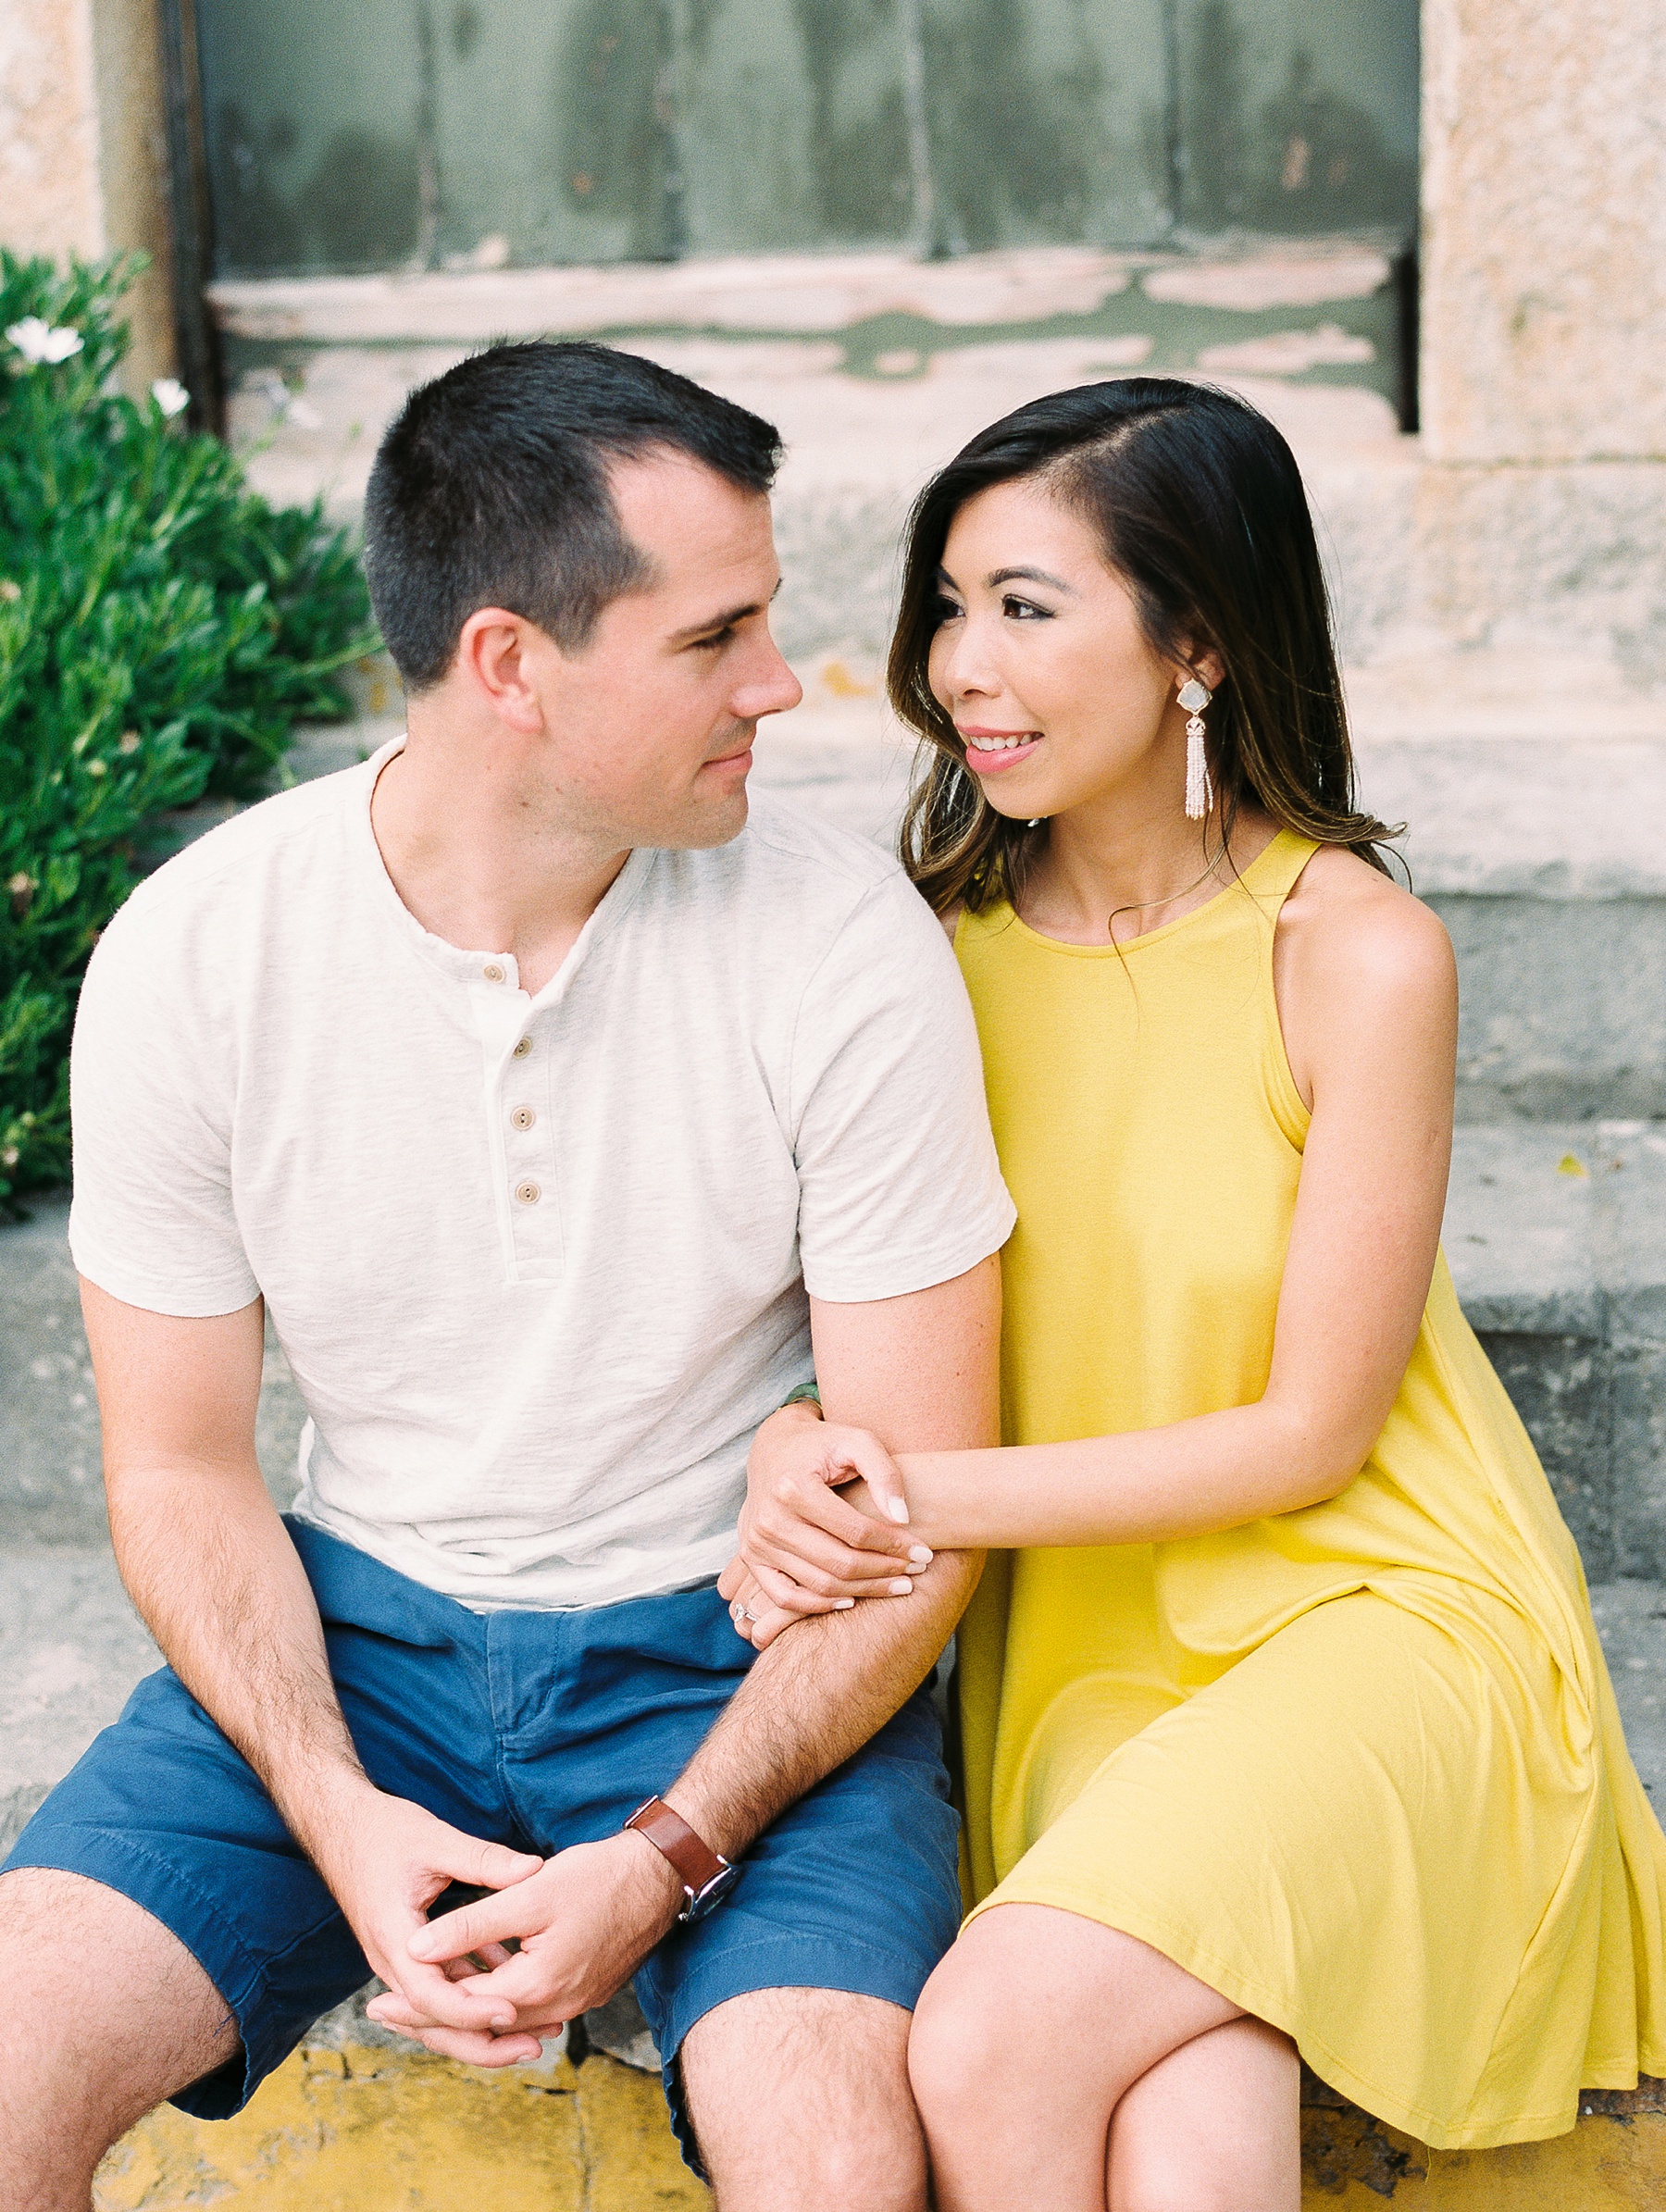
1285, 1724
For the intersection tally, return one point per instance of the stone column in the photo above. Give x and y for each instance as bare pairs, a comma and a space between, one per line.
1544, 230
83, 156
1544, 325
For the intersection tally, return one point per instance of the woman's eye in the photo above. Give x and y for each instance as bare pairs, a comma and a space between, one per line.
944, 610
1025, 610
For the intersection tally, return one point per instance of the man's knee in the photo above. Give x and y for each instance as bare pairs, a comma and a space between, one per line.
107, 2014
800, 2096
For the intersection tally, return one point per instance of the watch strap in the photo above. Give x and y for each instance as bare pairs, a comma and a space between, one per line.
696, 1865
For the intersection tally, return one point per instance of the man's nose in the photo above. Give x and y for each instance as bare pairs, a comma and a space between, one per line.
774, 690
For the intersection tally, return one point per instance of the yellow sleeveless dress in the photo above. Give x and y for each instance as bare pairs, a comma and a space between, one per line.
1357, 1767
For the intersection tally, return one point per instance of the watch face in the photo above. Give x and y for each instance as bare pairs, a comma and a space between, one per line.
711, 1895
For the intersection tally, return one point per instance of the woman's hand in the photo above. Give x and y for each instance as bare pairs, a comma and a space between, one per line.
757, 1621
805, 1535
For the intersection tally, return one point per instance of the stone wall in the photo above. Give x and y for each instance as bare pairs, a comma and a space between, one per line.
1544, 200
1543, 322
83, 157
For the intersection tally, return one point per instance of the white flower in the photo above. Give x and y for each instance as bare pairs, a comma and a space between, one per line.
170, 395
38, 342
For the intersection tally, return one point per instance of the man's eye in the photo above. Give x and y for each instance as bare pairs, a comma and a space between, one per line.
717, 638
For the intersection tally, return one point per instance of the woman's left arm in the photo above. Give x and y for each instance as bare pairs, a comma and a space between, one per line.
1368, 999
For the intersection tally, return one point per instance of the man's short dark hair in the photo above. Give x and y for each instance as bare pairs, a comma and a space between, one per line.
491, 489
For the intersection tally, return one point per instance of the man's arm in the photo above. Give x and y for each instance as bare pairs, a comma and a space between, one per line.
212, 1571
906, 1368
927, 1363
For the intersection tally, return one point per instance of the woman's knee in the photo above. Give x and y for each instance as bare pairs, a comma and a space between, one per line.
958, 2045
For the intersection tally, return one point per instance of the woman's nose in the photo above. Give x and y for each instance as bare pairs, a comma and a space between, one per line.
965, 671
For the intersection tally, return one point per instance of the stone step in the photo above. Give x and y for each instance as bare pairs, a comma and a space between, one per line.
1556, 1232
357, 2121
877, 368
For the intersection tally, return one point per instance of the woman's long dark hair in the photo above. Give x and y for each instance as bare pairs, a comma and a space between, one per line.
1199, 506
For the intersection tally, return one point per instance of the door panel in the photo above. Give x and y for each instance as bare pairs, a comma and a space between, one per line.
427, 133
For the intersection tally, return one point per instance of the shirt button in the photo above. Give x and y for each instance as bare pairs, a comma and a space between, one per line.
491, 971
524, 1047
523, 1117
527, 1193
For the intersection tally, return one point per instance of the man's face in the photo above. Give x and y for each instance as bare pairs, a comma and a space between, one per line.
648, 728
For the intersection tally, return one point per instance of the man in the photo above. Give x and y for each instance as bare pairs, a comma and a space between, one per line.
554, 1113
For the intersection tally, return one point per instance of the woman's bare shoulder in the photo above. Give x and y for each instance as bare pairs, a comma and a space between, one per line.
949, 917
1344, 915
1357, 960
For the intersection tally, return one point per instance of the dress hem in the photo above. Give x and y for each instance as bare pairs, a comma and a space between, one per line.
1227, 1980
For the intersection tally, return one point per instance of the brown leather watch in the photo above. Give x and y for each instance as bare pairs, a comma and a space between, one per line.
707, 1878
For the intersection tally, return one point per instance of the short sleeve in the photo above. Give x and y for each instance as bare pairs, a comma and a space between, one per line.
899, 1188
152, 1219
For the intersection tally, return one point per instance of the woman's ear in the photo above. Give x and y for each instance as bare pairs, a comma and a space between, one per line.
1203, 662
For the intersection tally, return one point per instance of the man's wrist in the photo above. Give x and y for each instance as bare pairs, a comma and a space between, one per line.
661, 1886
324, 1808
798, 1411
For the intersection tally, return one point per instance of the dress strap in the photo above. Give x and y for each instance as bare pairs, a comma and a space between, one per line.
1272, 875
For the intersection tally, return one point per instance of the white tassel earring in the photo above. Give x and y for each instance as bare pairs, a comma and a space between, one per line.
1200, 792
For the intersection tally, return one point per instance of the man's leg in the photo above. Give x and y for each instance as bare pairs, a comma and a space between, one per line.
163, 1935
800, 2097
106, 2015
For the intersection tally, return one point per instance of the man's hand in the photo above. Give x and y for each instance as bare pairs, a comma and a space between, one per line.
585, 1921
385, 1860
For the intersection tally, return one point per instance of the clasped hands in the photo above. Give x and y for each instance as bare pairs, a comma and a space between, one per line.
824, 1525
584, 1920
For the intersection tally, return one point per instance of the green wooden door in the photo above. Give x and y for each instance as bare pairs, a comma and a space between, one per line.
435, 133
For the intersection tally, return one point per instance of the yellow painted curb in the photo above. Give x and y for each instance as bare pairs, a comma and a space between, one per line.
357, 2130
377, 2131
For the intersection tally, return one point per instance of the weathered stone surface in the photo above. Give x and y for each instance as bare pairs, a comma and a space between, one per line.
51, 1482
71, 1648
1544, 196
1556, 1238
50, 1470
1426, 552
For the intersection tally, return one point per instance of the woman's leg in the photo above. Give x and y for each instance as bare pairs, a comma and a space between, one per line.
1214, 2126
1026, 2038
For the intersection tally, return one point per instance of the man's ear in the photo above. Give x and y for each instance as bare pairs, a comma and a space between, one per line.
500, 658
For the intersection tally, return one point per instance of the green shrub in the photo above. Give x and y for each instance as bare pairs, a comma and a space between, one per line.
162, 630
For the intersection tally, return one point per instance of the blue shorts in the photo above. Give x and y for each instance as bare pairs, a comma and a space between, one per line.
534, 1729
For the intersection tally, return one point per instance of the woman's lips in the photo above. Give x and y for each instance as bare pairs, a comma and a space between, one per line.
985, 756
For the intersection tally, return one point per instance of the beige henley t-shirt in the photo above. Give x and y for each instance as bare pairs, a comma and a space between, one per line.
539, 1265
